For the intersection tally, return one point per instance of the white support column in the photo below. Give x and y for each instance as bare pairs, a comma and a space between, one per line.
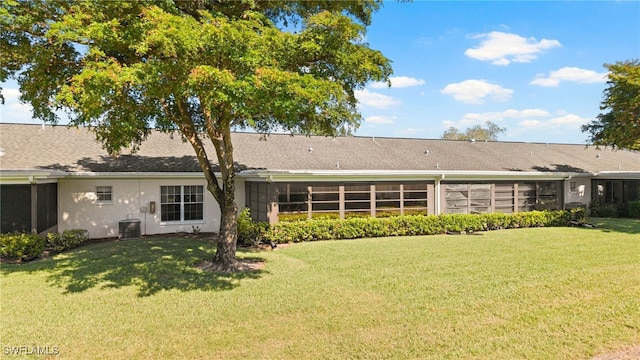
437, 201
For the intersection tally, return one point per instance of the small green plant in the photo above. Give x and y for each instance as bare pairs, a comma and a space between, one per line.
633, 209
579, 215
66, 240
599, 209
21, 246
293, 217
195, 230
250, 232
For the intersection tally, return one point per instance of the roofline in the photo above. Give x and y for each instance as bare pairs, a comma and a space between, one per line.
33, 176
30, 176
288, 134
373, 175
618, 174
148, 175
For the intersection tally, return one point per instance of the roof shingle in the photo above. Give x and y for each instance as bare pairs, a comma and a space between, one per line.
76, 150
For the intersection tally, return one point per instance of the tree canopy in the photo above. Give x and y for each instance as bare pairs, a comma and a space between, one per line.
619, 126
489, 132
199, 67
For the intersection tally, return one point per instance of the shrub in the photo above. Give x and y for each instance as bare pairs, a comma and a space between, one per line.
604, 210
497, 221
329, 229
68, 239
293, 217
633, 209
20, 246
579, 214
250, 232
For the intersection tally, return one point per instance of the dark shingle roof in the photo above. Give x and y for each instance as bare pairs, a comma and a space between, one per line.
75, 149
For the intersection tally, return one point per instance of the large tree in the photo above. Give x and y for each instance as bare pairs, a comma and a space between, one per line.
489, 132
198, 67
619, 126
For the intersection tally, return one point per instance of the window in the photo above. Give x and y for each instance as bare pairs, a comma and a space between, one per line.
541, 195
504, 198
615, 191
547, 196
333, 200
181, 203
468, 198
293, 198
526, 196
325, 201
388, 200
357, 200
415, 199
573, 187
104, 194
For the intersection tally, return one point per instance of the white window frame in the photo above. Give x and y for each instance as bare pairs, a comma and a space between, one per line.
182, 202
573, 187
103, 190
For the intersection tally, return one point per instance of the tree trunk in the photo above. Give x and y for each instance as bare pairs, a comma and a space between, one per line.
225, 258
224, 191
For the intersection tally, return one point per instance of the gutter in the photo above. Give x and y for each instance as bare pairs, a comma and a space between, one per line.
378, 175
618, 175
136, 175
30, 176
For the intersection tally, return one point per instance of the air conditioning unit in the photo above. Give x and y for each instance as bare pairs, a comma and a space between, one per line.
129, 229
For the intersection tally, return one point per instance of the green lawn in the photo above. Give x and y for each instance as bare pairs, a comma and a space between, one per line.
546, 293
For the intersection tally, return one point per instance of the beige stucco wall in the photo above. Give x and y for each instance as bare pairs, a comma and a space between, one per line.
77, 206
583, 191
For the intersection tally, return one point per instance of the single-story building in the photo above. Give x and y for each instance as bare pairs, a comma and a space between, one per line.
57, 178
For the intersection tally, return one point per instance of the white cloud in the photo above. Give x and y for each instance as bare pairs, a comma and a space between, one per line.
380, 119
378, 85
13, 110
503, 48
569, 121
530, 123
376, 100
476, 91
573, 74
398, 82
470, 119
11, 94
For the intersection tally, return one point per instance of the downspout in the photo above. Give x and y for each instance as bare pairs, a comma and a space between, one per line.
144, 226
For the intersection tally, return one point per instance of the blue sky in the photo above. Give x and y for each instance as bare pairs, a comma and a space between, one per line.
534, 68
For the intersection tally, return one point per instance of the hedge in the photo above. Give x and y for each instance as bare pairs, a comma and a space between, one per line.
633, 209
68, 239
25, 247
334, 229
20, 246
250, 232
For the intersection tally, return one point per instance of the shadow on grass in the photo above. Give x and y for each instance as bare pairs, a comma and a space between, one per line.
151, 265
629, 226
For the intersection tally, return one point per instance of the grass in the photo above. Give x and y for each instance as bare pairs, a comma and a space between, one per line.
546, 293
